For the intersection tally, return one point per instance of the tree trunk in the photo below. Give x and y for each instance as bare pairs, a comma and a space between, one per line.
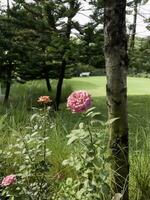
0, 89
132, 40
49, 88
8, 85
9, 69
60, 83
63, 66
116, 70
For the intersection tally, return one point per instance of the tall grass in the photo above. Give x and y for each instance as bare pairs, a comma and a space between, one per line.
140, 166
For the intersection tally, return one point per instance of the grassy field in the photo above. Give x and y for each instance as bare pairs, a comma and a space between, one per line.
24, 96
96, 85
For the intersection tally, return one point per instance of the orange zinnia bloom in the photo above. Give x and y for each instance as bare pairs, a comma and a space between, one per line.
44, 99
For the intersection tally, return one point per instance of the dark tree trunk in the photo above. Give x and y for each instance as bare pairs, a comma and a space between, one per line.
49, 87
63, 67
8, 85
73, 8
9, 69
60, 83
116, 70
132, 40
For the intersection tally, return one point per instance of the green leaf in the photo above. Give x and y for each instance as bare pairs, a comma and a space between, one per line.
12, 198
72, 139
95, 114
81, 125
106, 189
65, 162
90, 109
89, 113
110, 121
69, 181
80, 192
33, 117
2, 121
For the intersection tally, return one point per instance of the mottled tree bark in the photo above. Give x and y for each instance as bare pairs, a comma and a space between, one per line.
116, 70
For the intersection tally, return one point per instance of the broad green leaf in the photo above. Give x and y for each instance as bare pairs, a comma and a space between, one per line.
33, 116
90, 109
95, 114
89, 113
72, 139
80, 192
81, 125
69, 181
65, 162
110, 121
12, 198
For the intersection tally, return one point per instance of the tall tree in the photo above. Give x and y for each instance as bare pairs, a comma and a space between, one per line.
135, 4
70, 11
7, 54
9, 68
31, 19
116, 60
132, 39
139, 57
56, 17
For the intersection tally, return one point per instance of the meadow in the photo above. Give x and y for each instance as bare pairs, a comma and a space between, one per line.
16, 117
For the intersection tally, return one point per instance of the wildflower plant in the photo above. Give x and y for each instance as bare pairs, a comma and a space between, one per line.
90, 156
29, 157
31, 165
44, 100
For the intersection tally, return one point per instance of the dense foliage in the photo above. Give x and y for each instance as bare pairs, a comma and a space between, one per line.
139, 58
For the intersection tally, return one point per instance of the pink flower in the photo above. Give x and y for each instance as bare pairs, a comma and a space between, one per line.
8, 180
79, 101
44, 99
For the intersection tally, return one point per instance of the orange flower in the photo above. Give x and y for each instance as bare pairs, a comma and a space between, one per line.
44, 99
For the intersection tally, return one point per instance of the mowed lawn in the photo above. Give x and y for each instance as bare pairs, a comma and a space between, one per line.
96, 85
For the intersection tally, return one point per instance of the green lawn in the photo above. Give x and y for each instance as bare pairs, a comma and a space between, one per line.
96, 85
